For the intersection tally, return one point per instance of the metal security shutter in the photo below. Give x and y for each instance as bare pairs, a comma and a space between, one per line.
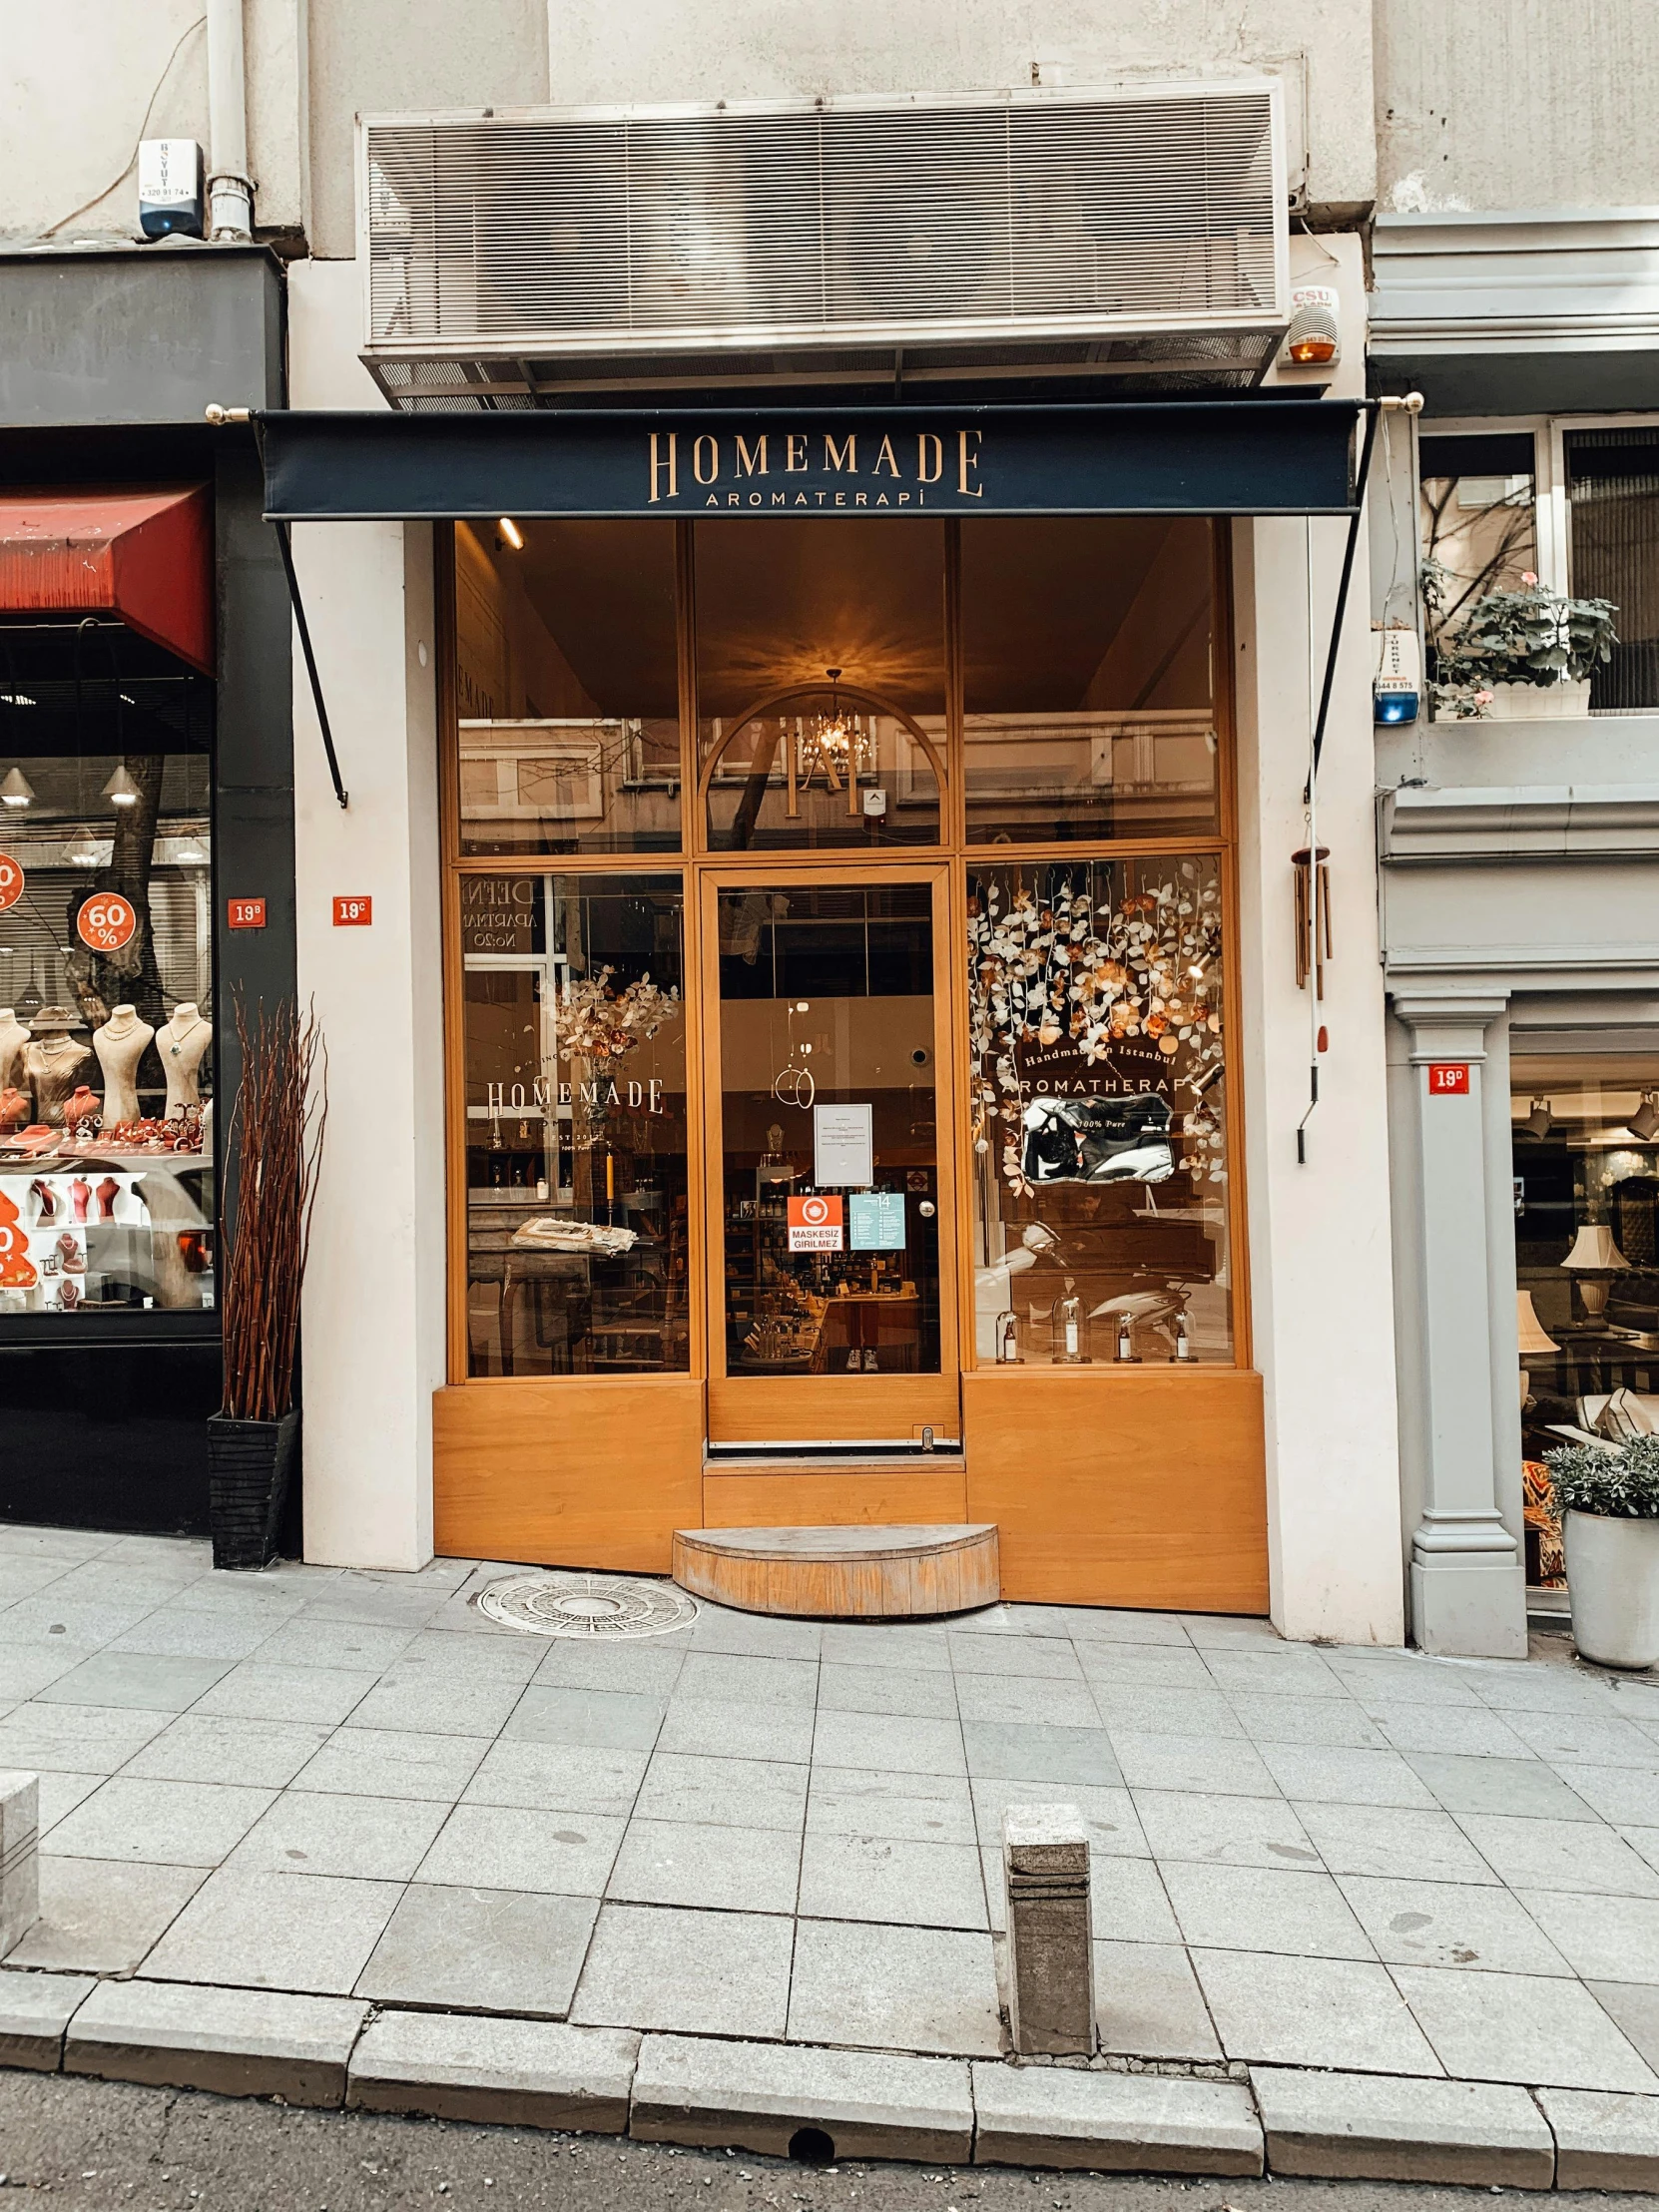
1142, 228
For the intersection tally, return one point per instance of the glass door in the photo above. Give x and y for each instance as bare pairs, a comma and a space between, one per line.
830, 1198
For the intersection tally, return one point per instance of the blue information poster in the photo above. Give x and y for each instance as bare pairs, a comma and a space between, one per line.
876, 1219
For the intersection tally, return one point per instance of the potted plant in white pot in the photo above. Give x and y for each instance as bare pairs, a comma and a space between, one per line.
1518, 656
275, 1151
1608, 1503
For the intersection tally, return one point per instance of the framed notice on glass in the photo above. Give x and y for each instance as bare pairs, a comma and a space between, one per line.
844, 1146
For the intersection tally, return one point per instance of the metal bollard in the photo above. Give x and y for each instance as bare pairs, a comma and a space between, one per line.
1045, 1862
19, 1858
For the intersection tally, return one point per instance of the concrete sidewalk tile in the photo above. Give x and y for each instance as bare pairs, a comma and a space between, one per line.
1148, 2003
1525, 1789
1328, 1776
1074, 2118
100, 1916
609, 1720
756, 1635
1338, 1722
714, 1973
1599, 1943
643, 1670
116, 1678
89, 1623
1153, 1709
35, 2010
428, 1704
1603, 2141
1295, 1670
880, 1644
1634, 2006
1127, 1666
756, 2096
350, 1645
27, 1669
444, 1656
909, 1808
1452, 1924
1584, 1739
489, 1846
1222, 1831
1109, 1813
557, 1778
1402, 1677
1213, 1765
885, 1877
1560, 1854
367, 1839
1272, 1908
1027, 1700
1233, 1632
1410, 1843
706, 1728
726, 1678
894, 1988
71, 1545
1043, 1658
888, 1742
184, 1631
724, 1793
1344, 2014
503, 2073
60, 1794
389, 1761
209, 1746
1553, 1686
1468, 1731
487, 1951
177, 1824
1109, 1625
696, 1863
1027, 1751
1626, 1795
305, 1931
235, 2042
1379, 2127
75, 1739
1529, 2028
256, 1691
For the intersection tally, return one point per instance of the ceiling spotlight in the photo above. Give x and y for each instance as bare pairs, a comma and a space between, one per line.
16, 791
86, 851
121, 791
510, 531
191, 852
1643, 1124
1541, 1120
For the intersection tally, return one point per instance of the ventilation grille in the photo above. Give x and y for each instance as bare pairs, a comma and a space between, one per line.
1020, 216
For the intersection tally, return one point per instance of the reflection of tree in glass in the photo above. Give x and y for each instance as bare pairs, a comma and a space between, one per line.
101, 980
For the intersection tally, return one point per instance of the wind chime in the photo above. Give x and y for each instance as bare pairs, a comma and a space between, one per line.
1312, 916
840, 744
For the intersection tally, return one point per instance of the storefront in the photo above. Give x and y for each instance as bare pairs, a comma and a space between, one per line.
839, 925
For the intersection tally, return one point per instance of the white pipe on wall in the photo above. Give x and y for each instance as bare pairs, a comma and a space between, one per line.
230, 190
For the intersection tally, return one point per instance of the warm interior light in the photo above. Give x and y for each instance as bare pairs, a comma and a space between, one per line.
86, 851
510, 531
121, 791
17, 790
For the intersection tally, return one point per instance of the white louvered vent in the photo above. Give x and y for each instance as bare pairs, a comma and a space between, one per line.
989, 219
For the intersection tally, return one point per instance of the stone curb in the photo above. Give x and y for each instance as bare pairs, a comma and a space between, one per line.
1603, 2140
756, 2096
514, 2073
237, 2042
1119, 2122
35, 2010
1383, 2127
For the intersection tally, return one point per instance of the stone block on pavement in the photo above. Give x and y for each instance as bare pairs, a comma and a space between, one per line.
1392, 2127
1051, 1962
1603, 2140
237, 2042
1114, 2122
35, 2008
19, 1856
512, 2072
758, 2097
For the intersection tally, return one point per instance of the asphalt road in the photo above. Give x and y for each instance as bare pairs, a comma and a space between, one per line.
108, 2147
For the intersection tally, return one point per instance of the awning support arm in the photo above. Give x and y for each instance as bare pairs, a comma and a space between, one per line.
219, 416
1411, 404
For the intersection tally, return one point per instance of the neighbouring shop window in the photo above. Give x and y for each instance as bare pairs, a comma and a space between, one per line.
1585, 1149
1099, 1159
106, 976
567, 688
1613, 511
820, 681
1086, 675
576, 1194
1478, 516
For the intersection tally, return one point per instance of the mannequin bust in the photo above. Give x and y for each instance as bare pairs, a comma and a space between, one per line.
14, 1035
182, 1042
53, 1063
121, 1046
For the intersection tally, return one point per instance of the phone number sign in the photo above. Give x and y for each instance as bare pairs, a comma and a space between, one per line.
106, 921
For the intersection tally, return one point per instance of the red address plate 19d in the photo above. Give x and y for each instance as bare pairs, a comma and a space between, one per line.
1448, 1079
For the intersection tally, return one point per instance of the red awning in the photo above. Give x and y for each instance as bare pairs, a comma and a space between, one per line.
143, 556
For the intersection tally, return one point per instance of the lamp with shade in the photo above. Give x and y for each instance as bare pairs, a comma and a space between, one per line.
1644, 1122
1594, 1257
1533, 1337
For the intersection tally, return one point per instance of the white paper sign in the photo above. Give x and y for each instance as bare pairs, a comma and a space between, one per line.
844, 1146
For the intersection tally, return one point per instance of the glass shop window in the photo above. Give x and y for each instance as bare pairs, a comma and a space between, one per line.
567, 687
1613, 510
1478, 517
1087, 681
106, 976
820, 681
1100, 1145
577, 1252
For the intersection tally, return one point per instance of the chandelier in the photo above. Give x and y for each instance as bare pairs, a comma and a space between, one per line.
838, 746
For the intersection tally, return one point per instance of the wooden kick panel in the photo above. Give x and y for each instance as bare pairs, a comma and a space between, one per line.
888, 1573
832, 1497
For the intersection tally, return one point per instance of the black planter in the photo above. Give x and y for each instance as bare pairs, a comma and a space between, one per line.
249, 1468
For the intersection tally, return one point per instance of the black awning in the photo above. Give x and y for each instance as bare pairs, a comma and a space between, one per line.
1255, 456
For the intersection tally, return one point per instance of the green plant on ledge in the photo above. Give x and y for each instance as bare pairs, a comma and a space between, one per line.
1622, 1485
1530, 636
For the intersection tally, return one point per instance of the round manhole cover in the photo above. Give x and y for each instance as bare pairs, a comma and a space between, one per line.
607, 1606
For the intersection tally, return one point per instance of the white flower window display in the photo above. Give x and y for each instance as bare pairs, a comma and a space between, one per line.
1049, 966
